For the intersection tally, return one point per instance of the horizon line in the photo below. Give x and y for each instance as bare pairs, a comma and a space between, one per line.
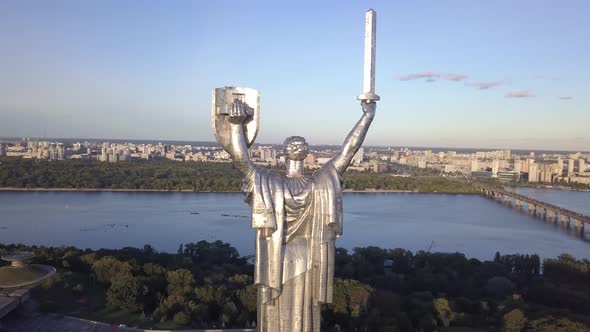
412, 147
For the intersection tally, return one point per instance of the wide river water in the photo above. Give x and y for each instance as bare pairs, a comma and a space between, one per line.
470, 224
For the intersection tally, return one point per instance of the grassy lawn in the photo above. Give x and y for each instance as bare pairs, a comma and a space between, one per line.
10, 275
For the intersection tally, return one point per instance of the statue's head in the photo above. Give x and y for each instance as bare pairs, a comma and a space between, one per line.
295, 148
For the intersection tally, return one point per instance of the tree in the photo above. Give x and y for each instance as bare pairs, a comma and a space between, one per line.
180, 285
499, 287
126, 293
443, 311
513, 321
108, 269
350, 297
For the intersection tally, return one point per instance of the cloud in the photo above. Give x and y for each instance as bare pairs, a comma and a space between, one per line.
414, 76
430, 76
454, 77
485, 85
519, 94
566, 97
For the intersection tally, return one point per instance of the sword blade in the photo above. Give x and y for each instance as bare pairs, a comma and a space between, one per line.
368, 94
370, 44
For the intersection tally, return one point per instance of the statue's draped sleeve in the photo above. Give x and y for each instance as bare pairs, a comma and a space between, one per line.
264, 192
327, 226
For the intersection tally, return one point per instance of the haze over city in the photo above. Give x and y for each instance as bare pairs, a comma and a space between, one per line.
455, 74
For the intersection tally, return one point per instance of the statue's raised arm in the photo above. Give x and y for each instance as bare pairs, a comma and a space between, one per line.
355, 138
238, 112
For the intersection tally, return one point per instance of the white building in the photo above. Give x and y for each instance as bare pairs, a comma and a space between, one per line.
570, 167
495, 167
359, 156
533, 173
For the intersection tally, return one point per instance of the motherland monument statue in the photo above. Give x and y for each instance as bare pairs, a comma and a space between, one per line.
296, 217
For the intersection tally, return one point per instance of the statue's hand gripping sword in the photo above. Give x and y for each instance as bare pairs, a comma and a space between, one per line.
368, 94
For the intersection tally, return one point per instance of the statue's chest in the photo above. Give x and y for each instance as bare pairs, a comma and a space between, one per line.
297, 198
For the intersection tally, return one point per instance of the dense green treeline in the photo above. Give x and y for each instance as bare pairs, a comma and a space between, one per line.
207, 285
173, 175
362, 181
141, 174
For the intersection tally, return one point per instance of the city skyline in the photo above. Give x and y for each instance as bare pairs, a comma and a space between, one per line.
456, 75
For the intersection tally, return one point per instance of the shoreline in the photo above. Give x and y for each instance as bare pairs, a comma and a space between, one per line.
553, 187
370, 191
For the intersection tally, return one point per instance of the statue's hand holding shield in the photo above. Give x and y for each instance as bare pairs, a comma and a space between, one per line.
234, 105
239, 111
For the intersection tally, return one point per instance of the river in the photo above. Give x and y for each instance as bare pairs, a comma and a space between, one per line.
470, 224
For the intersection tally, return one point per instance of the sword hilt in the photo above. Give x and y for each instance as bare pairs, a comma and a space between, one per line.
368, 97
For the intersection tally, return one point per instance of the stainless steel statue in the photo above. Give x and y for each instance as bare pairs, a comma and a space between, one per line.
297, 218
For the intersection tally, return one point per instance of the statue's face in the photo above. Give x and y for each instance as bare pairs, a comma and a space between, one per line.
295, 148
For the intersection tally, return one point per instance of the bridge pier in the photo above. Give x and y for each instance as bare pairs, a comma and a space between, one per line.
578, 226
566, 220
544, 212
552, 216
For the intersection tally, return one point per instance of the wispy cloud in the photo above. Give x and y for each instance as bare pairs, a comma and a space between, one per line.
519, 94
454, 77
428, 75
566, 97
431, 76
485, 85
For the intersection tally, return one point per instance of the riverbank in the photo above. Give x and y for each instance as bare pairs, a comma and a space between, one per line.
101, 286
224, 192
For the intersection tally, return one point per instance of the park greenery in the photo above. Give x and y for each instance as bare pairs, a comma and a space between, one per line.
209, 285
183, 176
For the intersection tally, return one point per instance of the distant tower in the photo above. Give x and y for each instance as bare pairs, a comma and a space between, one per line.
559, 167
359, 156
495, 167
517, 165
570, 167
474, 165
533, 173
61, 151
581, 166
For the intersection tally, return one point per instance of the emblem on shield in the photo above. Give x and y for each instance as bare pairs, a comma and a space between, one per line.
222, 99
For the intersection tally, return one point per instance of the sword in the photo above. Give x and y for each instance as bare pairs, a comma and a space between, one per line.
368, 94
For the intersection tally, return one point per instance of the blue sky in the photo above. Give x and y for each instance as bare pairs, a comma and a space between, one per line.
505, 74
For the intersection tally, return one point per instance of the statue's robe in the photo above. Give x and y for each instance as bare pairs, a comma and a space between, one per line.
297, 220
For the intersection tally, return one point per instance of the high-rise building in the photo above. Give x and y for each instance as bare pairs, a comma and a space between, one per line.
559, 167
533, 173
570, 167
546, 174
61, 151
495, 166
2, 150
359, 156
581, 166
517, 165
474, 165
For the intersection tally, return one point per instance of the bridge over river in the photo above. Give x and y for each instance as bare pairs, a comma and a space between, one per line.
548, 211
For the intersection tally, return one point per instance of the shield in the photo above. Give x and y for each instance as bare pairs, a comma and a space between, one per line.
222, 99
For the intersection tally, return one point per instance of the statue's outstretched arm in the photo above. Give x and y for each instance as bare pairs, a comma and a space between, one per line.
238, 148
355, 138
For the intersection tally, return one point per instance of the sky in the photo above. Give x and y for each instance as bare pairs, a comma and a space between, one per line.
489, 74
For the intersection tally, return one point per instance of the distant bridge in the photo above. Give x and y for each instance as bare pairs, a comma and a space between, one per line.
538, 208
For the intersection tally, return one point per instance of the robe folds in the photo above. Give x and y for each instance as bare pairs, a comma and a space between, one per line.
296, 220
